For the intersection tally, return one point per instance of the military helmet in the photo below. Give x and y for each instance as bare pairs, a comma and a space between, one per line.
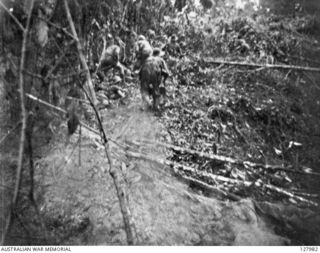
158, 52
109, 36
141, 37
151, 33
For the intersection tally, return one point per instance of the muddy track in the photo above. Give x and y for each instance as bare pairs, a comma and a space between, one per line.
78, 200
165, 209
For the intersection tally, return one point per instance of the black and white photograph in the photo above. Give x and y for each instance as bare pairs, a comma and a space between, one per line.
159, 123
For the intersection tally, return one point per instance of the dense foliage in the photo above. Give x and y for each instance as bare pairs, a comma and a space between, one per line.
237, 123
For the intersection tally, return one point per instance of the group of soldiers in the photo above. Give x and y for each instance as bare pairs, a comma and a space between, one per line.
151, 67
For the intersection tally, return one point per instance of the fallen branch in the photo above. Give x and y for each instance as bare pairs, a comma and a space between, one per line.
256, 65
212, 177
305, 194
193, 152
210, 188
23, 128
226, 159
45, 103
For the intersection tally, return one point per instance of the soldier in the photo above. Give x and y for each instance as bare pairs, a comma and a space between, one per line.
157, 52
151, 73
143, 50
110, 57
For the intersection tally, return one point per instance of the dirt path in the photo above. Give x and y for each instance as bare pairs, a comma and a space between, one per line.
166, 211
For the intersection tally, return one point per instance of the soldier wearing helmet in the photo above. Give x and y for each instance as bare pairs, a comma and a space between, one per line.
143, 50
153, 74
110, 57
